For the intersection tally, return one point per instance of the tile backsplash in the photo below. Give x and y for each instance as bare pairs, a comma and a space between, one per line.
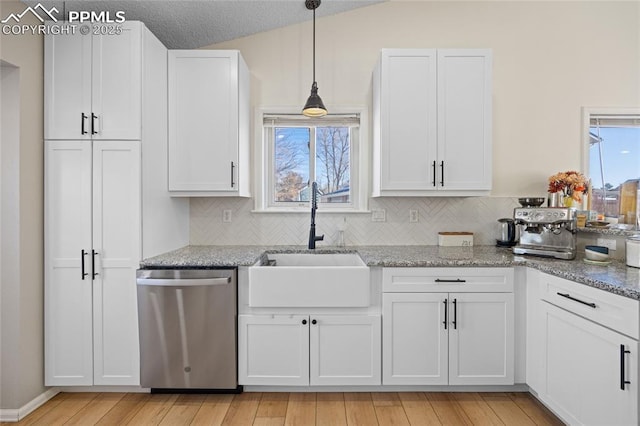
473, 214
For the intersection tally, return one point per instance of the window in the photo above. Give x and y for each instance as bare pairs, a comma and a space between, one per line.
298, 151
613, 161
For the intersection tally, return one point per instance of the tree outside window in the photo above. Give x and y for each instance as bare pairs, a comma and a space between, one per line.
306, 154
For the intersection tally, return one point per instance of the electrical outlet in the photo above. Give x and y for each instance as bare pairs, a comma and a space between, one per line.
226, 216
378, 215
413, 216
606, 242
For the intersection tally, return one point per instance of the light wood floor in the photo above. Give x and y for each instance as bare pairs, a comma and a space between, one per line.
297, 409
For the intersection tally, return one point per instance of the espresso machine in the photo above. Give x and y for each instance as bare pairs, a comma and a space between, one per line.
547, 231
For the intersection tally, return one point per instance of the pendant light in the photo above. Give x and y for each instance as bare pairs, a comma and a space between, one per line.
314, 106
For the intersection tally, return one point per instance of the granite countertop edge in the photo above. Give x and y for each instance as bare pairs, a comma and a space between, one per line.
616, 278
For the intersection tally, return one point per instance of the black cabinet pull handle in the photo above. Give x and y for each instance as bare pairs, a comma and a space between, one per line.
314, 322
304, 322
93, 124
82, 255
457, 280
434, 173
455, 314
568, 296
233, 166
442, 173
622, 368
445, 314
82, 118
93, 264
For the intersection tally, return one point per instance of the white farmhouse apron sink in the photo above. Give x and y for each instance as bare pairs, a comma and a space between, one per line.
309, 280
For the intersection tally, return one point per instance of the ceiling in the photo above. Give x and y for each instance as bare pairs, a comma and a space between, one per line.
189, 24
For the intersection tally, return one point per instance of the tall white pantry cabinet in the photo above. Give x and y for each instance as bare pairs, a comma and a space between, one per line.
106, 199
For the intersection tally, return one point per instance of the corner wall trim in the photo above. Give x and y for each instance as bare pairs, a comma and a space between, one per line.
13, 415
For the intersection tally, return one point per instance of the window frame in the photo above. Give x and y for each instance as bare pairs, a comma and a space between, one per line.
587, 112
264, 158
609, 113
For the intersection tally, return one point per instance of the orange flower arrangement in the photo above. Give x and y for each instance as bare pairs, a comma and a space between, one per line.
572, 184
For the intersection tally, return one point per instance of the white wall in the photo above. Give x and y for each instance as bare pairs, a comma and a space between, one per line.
21, 342
9, 226
550, 59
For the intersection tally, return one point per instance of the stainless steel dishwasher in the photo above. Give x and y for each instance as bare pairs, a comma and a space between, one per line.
188, 329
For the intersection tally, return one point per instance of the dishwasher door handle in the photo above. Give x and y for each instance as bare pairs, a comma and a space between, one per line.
183, 282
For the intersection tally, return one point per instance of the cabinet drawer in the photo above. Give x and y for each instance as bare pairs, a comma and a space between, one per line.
403, 280
611, 310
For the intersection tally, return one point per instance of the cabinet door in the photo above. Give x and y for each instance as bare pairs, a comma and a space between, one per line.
116, 241
345, 350
408, 119
67, 86
464, 119
203, 120
273, 350
481, 340
116, 94
583, 368
414, 351
68, 309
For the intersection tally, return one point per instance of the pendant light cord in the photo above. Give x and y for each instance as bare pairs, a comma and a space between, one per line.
314, 44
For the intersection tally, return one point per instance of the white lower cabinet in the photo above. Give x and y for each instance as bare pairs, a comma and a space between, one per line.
589, 368
301, 350
591, 371
448, 338
448, 326
415, 341
273, 349
481, 341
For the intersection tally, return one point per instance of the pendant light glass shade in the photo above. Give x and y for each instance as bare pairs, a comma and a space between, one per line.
314, 106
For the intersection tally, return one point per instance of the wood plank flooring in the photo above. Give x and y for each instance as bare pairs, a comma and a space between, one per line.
293, 409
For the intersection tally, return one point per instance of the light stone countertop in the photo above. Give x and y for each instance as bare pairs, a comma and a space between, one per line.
616, 277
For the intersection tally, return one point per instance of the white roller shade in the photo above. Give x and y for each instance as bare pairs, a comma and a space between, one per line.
298, 120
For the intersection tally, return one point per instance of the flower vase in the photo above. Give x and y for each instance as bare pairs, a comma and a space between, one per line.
568, 201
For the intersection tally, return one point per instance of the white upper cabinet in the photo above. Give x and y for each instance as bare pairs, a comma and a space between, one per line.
93, 85
408, 119
464, 120
432, 122
208, 123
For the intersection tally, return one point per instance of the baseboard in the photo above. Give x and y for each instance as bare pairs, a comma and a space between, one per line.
518, 387
102, 389
13, 415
